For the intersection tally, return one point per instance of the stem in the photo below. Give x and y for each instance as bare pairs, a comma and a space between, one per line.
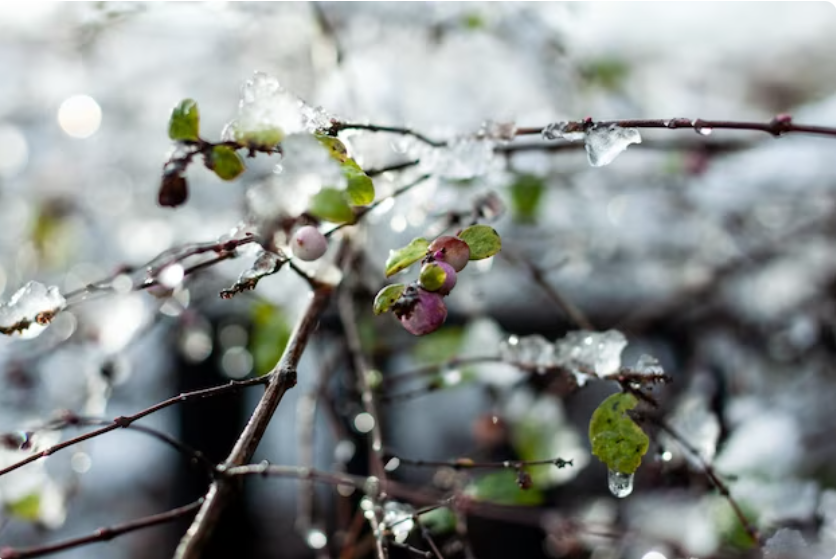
281, 379
102, 534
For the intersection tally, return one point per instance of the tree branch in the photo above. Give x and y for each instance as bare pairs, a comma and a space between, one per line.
281, 379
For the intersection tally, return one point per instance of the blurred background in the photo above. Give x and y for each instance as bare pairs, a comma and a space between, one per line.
710, 252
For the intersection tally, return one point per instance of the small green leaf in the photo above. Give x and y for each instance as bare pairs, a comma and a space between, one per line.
483, 241
404, 257
184, 124
360, 187
387, 296
269, 337
439, 521
27, 508
335, 147
226, 162
331, 205
501, 488
526, 193
432, 277
616, 439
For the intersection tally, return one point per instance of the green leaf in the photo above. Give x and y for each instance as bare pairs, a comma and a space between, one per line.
444, 344
265, 138
432, 277
27, 508
331, 205
360, 187
483, 241
526, 193
439, 521
269, 337
404, 257
501, 488
387, 296
184, 124
616, 439
335, 147
226, 162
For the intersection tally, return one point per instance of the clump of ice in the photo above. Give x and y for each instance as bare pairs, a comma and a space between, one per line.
603, 143
34, 303
648, 365
462, 158
786, 543
597, 352
398, 519
266, 107
533, 351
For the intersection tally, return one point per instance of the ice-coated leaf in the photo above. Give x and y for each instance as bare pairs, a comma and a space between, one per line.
483, 241
184, 124
265, 138
331, 205
387, 296
501, 488
432, 277
360, 188
404, 257
225, 162
27, 508
616, 439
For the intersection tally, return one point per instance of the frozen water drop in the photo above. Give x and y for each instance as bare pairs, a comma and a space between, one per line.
30, 309
563, 131
605, 143
399, 519
620, 484
704, 131
648, 365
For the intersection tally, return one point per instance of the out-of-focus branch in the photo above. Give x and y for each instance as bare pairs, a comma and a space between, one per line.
102, 534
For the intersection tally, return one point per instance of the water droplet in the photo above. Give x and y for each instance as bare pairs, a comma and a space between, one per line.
704, 131
604, 144
667, 456
620, 484
171, 276
364, 422
398, 518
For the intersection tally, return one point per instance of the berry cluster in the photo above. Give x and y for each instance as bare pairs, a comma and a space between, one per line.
421, 307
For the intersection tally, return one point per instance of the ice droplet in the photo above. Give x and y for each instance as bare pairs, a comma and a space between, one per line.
563, 131
620, 484
503, 132
648, 365
316, 538
598, 352
605, 143
398, 518
704, 131
33, 303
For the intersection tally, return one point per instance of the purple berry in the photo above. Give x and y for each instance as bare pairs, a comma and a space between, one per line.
429, 277
308, 243
424, 313
451, 250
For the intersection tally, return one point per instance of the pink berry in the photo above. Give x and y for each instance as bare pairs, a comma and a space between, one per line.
423, 313
308, 243
451, 250
449, 279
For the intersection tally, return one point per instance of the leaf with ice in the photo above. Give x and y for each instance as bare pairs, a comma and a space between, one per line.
583, 352
604, 143
267, 113
30, 309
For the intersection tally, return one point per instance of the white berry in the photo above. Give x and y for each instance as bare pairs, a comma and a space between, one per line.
308, 243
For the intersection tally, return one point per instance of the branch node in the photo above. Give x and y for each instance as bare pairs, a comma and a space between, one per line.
288, 377
122, 421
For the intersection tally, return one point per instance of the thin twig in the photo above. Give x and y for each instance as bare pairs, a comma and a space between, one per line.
102, 534
337, 127
468, 464
281, 379
125, 421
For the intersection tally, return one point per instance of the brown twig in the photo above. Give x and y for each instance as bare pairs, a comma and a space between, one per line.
281, 379
102, 534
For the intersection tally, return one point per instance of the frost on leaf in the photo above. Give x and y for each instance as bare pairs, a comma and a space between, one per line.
30, 309
585, 352
603, 144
